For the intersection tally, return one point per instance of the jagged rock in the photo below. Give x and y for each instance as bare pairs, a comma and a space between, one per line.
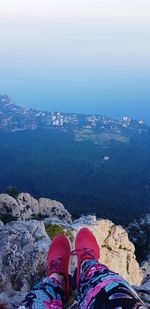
11, 299
1, 224
50, 208
24, 247
90, 219
144, 291
29, 206
145, 268
57, 221
9, 208
25, 207
139, 231
117, 252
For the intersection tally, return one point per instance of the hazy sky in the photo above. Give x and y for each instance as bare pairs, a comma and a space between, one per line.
77, 55
78, 8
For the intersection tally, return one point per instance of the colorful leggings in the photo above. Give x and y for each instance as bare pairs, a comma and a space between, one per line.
99, 288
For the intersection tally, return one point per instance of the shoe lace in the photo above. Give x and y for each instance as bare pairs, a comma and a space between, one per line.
55, 265
84, 252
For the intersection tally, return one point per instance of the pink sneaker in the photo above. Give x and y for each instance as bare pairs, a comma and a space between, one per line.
86, 248
58, 260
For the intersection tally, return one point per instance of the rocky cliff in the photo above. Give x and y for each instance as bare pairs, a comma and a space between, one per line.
24, 244
25, 207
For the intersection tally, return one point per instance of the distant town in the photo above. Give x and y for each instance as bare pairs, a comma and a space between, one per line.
14, 118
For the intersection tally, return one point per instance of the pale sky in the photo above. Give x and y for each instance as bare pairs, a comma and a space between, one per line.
89, 56
77, 8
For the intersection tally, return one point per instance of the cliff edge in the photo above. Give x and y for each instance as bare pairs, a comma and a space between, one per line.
24, 244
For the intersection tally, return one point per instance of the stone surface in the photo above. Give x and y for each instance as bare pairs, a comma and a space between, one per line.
51, 208
1, 224
11, 299
139, 233
116, 251
29, 206
146, 268
25, 207
144, 291
24, 247
9, 208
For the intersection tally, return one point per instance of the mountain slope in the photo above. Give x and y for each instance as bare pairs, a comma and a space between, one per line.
91, 163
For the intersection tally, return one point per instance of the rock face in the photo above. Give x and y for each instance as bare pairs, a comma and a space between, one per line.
9, 207
1, 224
25, 207
146, 268
139, 233
117, 252
144, 291
24, 246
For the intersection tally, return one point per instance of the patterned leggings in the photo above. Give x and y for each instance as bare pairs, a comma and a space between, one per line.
99, 288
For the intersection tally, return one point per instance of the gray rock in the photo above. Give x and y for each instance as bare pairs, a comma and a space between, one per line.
144, 291
24, 247
1, 224
145, 269
89, 219
25, 207
51, 208
29, 206
11, 299
61, 222
9, 208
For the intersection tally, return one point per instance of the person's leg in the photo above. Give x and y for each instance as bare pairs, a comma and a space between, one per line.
54, 290
47, 294
101, 288
97, 286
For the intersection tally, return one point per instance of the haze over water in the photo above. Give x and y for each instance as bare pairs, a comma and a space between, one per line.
77, 56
